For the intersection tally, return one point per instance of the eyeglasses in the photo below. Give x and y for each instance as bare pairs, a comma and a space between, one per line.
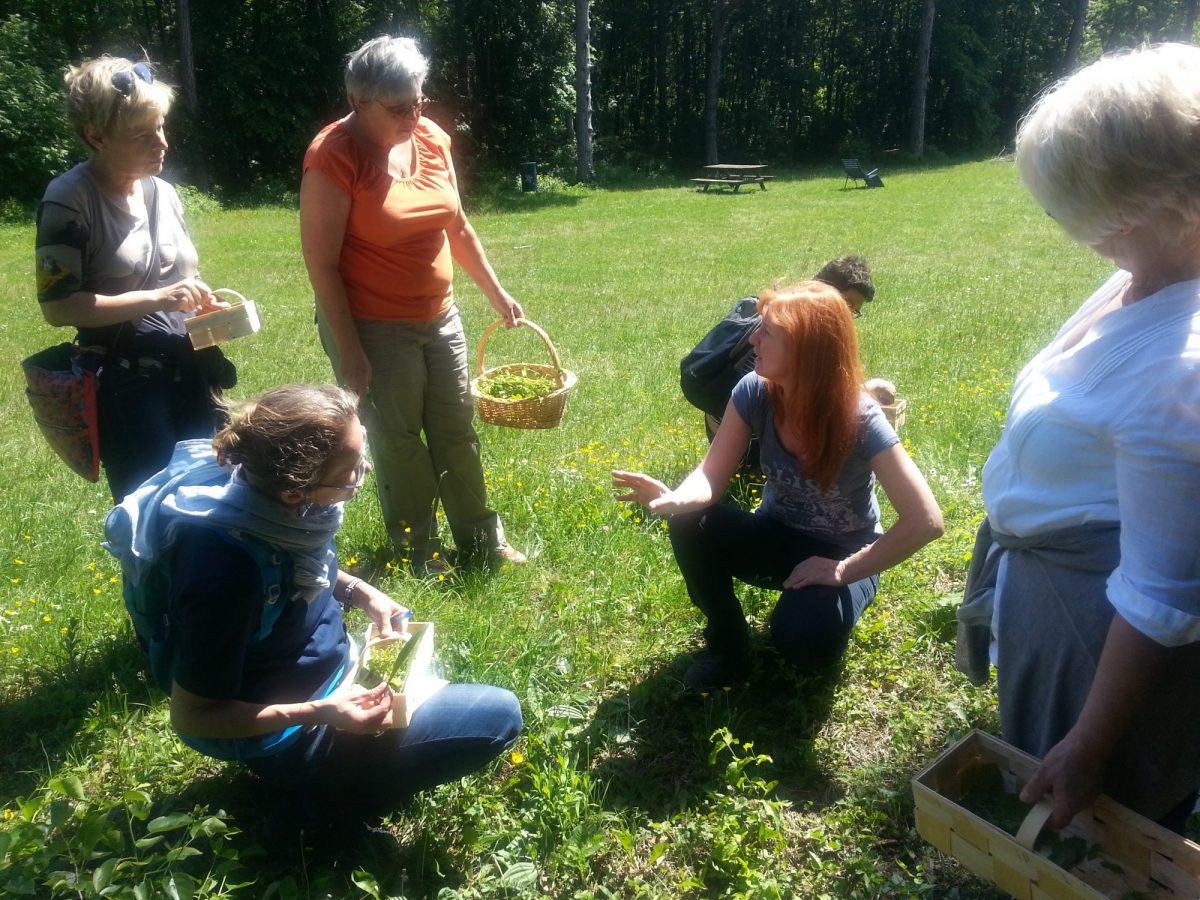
360, 475
405, 110
123, 81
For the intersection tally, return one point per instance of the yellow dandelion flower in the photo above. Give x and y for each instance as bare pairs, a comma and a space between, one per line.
9, 814
96, 590
517, 759
14, 580
14, 649
113, 580
64, 630
47, 618
19, 562
352, 561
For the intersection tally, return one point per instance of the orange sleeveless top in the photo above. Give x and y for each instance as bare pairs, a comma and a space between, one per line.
395, 258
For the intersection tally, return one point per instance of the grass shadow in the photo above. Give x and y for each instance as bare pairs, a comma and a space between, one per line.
43, 723
657, 734
398, 857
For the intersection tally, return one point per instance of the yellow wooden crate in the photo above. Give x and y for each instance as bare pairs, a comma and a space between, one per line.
1136, 856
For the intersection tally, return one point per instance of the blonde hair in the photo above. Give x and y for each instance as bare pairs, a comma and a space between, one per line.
94, 102
1117, 144
816, 401
283, 439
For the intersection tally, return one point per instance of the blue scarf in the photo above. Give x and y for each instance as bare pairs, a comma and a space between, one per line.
194, 489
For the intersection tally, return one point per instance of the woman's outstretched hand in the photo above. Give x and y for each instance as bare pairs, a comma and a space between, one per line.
638, 488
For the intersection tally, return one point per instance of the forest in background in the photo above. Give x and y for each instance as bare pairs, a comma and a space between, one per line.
788, 82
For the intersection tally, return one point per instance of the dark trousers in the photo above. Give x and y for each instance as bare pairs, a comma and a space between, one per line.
143, 412
810, 626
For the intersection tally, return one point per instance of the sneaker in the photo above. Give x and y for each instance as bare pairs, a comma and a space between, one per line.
507, 553
712, 670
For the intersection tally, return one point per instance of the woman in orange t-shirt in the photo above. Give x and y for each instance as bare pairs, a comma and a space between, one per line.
380, 222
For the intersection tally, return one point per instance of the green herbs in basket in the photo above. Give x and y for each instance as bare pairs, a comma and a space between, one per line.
517, 384
387, 662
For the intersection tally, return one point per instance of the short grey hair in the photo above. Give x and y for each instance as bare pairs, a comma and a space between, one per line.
385, 68
1117, 144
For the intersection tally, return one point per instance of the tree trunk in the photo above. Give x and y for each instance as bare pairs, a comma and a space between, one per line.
583, 88
916, 138
712, 81
1189, 19
1076, 39
187, 66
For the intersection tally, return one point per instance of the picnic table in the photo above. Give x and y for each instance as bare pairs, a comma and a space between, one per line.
733, 175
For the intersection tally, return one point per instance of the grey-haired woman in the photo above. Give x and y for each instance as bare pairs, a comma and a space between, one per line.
380, 222
114, 260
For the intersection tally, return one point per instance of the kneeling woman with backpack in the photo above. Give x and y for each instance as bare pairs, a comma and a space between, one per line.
816, 537
237, 537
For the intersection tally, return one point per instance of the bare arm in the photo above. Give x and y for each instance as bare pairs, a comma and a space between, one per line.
1131, 665
84, 309
467, 250
705, 485
918, 521
324, 211
350, 708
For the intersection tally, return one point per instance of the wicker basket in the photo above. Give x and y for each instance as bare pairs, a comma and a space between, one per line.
419, 685
536, 412
1136, 856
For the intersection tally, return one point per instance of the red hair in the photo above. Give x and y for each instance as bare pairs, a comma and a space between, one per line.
816, 401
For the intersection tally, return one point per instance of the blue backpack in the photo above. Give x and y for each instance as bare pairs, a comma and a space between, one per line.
147, 602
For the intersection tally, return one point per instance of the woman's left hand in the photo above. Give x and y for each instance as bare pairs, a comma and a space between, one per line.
381, 609
1071, 775
508, 308
816, 570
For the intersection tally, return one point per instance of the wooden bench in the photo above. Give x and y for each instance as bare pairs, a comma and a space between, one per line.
736, 182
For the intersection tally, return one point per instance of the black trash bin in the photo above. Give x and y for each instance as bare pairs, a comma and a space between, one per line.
529, 176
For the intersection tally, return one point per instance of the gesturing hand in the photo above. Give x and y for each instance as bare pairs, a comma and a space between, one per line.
639, 488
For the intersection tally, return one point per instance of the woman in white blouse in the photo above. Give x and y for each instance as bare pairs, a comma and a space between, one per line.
1093, 493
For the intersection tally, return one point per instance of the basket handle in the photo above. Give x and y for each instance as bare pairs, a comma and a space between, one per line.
528, 324
231, 291
1035, 821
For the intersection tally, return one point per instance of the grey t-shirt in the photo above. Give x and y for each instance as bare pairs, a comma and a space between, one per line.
848, 513
86, 242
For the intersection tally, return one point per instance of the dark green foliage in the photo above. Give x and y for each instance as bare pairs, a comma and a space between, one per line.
35, 142
800, 82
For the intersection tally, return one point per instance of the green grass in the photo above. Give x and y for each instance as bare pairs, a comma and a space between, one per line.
621, 785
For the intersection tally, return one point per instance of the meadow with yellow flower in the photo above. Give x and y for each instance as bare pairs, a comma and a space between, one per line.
622, 785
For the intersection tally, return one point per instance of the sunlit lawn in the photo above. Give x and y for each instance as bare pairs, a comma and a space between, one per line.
619, 787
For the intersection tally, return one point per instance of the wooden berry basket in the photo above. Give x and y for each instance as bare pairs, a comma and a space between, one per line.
535, 412
239, 320
1136, 857
895, 412
420, 684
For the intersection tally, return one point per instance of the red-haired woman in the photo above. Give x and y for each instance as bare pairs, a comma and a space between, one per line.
816, 537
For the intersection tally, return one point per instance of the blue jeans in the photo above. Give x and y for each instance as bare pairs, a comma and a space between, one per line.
338, 774
810, 626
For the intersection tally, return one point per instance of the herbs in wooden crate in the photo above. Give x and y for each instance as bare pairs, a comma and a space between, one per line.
517, 384
386, 662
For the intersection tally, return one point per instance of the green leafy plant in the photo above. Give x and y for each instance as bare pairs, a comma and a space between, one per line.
521, 384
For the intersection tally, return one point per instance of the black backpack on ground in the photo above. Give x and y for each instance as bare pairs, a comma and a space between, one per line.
709, 373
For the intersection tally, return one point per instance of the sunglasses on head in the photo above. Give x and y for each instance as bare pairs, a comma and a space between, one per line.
123, 81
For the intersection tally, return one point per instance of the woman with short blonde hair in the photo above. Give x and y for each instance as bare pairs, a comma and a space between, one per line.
115, 262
